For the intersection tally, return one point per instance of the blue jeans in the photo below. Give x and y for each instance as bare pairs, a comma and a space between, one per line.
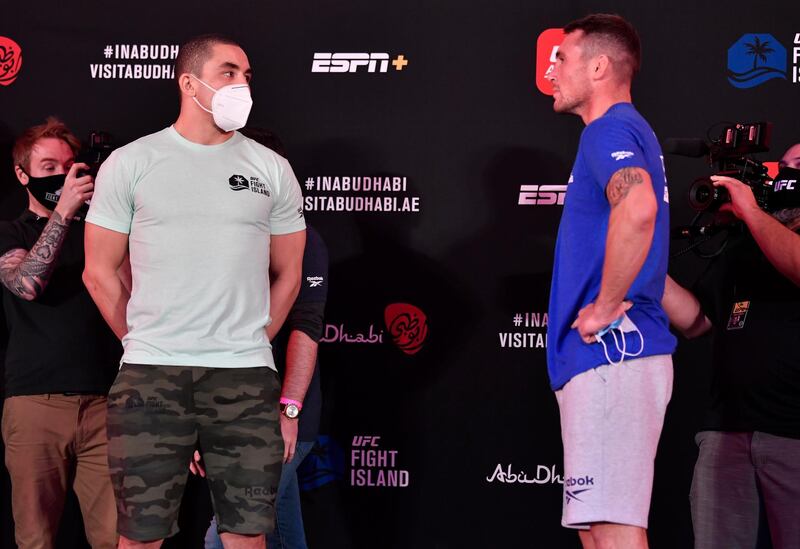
289, 533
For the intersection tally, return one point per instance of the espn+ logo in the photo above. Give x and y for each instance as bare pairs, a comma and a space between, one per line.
352, 62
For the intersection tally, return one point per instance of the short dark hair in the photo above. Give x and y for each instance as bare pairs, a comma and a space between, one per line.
605, 30
193, 54
53, 127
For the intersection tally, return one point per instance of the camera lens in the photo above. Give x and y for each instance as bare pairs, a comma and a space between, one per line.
703, 195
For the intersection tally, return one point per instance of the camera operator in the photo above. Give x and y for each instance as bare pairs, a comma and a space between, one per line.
61, 355
747, 475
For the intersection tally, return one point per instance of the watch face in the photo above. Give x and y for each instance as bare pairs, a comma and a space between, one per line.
292, 411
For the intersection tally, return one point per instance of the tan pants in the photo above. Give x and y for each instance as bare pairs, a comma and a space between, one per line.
53, 441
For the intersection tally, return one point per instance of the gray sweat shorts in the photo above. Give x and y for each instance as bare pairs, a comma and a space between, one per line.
611, 420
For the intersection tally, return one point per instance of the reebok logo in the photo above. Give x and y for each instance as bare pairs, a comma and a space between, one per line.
259, 491
570, 483
621, 155
583, 481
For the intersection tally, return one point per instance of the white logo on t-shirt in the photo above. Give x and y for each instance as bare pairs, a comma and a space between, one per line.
621, 155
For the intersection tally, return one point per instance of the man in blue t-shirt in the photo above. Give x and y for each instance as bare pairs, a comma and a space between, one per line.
609, 341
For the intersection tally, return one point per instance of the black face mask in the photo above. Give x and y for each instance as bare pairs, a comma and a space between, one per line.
47, 190
785, 191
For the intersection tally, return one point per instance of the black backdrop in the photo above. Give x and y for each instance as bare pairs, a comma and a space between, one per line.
464, 123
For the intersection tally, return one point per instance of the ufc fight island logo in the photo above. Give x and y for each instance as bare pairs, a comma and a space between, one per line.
254, 184
352, 62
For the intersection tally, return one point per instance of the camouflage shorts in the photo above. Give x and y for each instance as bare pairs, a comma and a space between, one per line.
158, 416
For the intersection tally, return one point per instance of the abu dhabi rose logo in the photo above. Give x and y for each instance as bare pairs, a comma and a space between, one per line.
10, 60
408, 326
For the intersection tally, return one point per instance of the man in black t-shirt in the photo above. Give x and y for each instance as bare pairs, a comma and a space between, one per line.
61, 357
747, 475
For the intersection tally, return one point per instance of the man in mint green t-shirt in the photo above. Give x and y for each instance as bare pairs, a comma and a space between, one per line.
208, 218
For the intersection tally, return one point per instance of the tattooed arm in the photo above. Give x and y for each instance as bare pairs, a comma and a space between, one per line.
630, 233
26, 273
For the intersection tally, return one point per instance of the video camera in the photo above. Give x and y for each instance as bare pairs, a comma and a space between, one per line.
729, 151
98, 147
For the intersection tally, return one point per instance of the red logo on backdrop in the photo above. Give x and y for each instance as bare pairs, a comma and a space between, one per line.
408, 326
10, 60
772, 169
546, 48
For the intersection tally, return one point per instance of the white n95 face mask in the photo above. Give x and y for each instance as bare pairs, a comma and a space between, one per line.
230, 105
622, 325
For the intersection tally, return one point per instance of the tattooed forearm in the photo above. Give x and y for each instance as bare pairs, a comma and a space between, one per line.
26, 273
621, 183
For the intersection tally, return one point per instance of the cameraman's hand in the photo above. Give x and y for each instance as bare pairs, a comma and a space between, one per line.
743, 204
75, 192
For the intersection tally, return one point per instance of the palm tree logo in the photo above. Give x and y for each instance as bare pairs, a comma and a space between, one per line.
238, 182
758, 50
754, 59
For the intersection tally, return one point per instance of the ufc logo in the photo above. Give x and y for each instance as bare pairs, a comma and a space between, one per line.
365, 440
542, 195
350, 62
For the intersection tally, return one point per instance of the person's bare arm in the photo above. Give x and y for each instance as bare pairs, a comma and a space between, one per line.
26, 272
106, 253
683, 310
779, 244
301, 358
285, 267
631, 226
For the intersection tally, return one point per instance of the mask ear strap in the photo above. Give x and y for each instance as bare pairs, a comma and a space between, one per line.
201, 106
203, 83
195, 98
621, 349
605, 352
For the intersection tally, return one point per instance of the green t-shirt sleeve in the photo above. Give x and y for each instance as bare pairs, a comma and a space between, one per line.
112, 201
287, 210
